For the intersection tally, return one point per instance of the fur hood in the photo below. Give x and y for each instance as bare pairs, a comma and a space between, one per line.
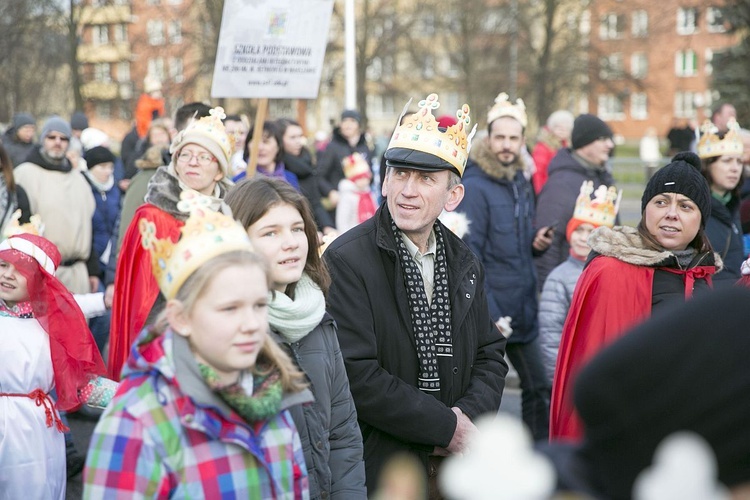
487, 161
624, 243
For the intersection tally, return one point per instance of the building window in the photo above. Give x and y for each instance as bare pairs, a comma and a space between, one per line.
640, 24
104, 110
156, 68
686, 63
176, 70
101, 35
715, 20
428, 23
684, 105
610, 107
709, 61
174, 2
153, 2
174, 31
639, 65
687, 20
123, 71
611, 67
155, 30
428, 67
380, 105
121, 33
638, 106
611, 26
102, 73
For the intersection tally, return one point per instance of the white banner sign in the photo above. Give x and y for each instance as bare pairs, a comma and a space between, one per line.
271, 48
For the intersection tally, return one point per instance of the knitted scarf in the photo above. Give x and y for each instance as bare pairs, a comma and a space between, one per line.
431, 322
261, 404
294, 319
365, 207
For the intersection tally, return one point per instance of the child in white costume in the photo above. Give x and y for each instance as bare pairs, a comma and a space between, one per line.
46, 345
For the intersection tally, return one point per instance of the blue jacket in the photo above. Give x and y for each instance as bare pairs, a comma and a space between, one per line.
105, 221
499, 203
724, 231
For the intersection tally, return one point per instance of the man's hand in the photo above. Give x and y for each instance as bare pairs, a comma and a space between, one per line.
543, 239
109, 295
464, 430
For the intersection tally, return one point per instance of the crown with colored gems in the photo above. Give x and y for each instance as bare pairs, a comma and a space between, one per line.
420, 132
205, 235
600, 211
210, 127
355, 166
503, 107
34, 226
709, 144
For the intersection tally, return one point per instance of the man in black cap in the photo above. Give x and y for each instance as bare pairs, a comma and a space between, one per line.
423, 356
347, 139
19, 138
586, 160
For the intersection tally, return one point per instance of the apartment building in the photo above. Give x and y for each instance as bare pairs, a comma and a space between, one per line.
650, 62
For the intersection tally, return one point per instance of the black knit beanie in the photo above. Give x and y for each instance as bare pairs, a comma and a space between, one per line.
683, 176
98, 155
588, 128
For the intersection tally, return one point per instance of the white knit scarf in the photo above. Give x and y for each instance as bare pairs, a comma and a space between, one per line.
294, 319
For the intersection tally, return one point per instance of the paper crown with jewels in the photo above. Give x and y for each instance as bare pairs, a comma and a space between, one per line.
420, 144
709, 144
355, 167
34, 226
205, 235
602, 209
503, 107
208, 132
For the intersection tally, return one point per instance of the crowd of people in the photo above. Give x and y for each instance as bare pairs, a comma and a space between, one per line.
286, 324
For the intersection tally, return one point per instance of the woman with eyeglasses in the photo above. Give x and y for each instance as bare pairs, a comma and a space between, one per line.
200, 159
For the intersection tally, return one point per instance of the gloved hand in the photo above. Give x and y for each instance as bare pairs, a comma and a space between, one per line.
504, 325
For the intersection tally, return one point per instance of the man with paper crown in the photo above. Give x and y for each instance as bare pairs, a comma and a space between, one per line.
423, 355
499, 204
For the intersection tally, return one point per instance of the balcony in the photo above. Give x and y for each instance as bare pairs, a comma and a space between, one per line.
101, 91
107, 53
106, 14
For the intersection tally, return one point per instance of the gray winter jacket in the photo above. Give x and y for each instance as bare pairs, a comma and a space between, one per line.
328, 429
553, 309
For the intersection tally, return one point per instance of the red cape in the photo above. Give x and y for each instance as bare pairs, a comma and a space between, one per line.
136, 288
610, 297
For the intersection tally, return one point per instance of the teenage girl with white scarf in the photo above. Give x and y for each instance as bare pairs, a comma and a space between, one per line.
282, 228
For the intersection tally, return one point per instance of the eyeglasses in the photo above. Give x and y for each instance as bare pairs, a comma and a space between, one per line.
203, 159
61, 138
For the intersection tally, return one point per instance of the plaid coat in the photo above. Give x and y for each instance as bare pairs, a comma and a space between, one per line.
166, 435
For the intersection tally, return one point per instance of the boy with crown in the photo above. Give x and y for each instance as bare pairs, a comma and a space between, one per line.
422, 353
499, 204
561, 282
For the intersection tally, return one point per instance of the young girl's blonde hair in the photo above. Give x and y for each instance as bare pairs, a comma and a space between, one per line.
292, 379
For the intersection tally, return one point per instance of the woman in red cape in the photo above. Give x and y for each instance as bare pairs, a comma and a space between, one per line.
633, 273
200, 158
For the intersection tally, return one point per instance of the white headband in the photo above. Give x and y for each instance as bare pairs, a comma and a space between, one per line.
27, 247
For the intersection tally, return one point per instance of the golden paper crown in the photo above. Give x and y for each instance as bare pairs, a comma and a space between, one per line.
34, 226
503, 107
420, 132
209, 132
355, 166
709, 144
205, 235
602, 210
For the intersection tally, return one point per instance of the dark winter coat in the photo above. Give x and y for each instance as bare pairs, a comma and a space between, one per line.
104, 223
309, 183
724, 231
17, 150
368, 300
328, 428
557, 201
499, 204
329, 161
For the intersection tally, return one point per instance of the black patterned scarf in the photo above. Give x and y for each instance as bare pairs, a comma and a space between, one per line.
431, 322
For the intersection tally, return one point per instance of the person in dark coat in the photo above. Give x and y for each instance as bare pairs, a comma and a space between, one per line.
347, 138
12, 197
586, 161
721, 157
499, 205
19, 138
684, 370
423, 355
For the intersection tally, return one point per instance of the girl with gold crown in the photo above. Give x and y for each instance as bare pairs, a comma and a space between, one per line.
203, 408
282, 229
721, 165
200, 158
